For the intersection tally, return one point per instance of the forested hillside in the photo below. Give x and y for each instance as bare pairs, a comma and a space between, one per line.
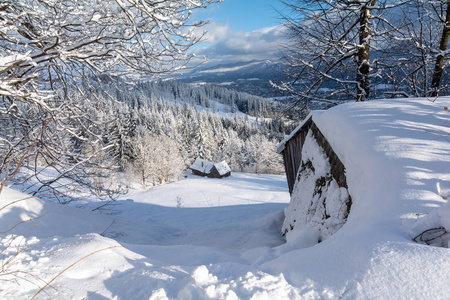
205, 121
148, 133
202, 95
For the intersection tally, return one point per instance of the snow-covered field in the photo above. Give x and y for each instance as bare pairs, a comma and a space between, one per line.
225, 111
190, 239
220, 239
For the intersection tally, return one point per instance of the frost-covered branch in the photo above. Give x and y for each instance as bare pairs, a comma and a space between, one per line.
51, 50
331, 45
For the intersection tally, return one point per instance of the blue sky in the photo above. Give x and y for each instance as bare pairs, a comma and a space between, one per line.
243, 15
241, 30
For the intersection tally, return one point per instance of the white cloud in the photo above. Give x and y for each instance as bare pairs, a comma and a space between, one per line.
216, 32
222, 44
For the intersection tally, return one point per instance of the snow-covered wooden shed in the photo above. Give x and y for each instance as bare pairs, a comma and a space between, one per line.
317, 181
291, 149
202, 167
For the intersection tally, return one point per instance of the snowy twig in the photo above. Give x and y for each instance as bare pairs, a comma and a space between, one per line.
24, 221
7, 179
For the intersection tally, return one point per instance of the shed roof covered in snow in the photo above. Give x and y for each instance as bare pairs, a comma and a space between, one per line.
207, 168
222, 168
202, 165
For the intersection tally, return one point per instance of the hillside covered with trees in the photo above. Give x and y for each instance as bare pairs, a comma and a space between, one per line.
155, 130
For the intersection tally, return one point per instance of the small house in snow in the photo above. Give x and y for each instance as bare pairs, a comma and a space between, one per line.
202, 167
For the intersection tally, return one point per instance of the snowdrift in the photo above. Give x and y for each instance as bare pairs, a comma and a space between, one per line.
397, 158
220, 239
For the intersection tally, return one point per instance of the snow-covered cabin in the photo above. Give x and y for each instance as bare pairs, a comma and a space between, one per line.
202, 167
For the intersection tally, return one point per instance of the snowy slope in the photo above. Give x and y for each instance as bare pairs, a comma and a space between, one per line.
166, 241
225, 111
395, 153
220, 239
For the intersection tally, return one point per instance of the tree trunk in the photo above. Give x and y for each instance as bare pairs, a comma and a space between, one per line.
144, 185
439, 66
363, 55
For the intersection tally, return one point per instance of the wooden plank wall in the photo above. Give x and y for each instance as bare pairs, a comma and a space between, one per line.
292, 156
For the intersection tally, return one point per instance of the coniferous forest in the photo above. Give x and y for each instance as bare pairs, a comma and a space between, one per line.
148, 133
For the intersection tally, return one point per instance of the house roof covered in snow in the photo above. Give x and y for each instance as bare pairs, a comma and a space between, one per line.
222, 168
202, 165
206, 166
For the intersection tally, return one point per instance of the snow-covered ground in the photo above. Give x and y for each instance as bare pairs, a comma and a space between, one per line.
397, 156
220, 238
225, 111
187, 239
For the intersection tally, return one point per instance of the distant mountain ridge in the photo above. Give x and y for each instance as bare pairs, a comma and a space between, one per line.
244, 68
252, 77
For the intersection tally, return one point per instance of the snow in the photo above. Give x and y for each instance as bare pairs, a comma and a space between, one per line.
227, 83
443, 189
225, 111
162, 249
201, 238
321, 208
229, 69
205, 166
395, 152
222, 167
384, 86
202, 165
